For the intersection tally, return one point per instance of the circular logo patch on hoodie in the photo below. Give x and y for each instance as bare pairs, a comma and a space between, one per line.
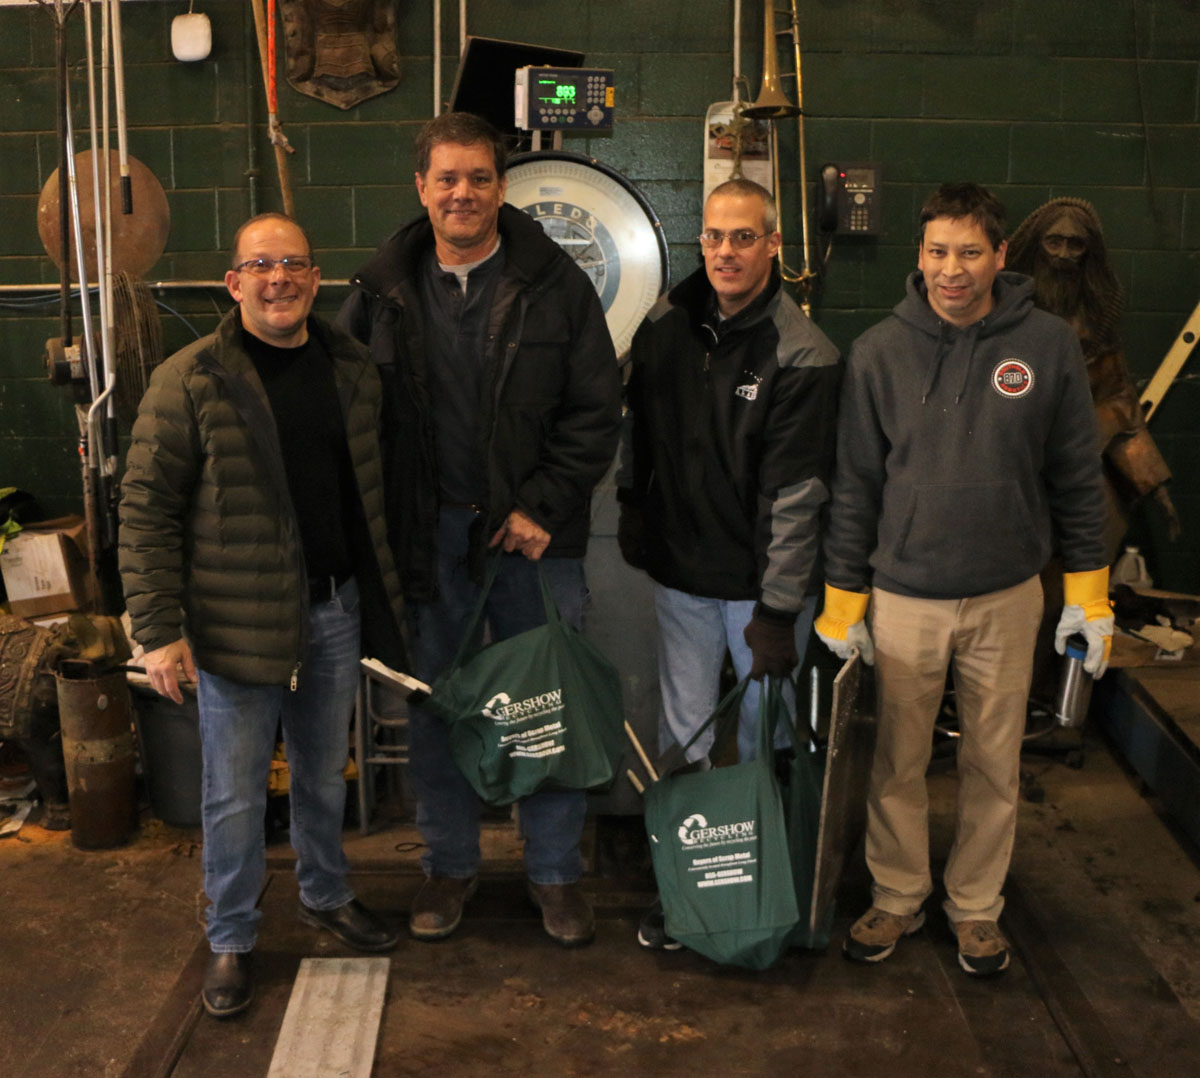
1012, 378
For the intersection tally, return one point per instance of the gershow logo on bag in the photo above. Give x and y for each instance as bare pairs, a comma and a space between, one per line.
504, 711
707, 869
695, 833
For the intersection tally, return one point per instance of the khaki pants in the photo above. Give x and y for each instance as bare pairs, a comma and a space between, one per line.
990, 639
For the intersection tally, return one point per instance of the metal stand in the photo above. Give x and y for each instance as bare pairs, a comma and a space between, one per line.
380, 738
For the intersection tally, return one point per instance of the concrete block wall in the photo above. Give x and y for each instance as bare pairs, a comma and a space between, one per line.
1036, 98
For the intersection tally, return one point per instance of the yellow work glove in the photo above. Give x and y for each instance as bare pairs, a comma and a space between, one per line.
842, 625
1087, 611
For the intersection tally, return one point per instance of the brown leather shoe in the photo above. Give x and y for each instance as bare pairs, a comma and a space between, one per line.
566, 914
438, 907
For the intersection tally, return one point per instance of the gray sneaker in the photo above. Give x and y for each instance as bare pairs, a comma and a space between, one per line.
875, 934
982, 948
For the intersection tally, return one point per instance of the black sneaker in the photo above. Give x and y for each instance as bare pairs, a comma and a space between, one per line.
652, 930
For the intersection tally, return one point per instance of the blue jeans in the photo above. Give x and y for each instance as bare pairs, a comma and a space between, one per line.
693, 635
447, 805
238, 724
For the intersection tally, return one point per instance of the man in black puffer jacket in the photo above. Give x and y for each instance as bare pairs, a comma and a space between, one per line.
499, 366
252, 534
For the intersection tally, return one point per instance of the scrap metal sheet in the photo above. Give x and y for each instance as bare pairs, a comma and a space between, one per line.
847, 773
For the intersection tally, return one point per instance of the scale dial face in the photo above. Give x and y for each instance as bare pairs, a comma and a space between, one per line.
593, 215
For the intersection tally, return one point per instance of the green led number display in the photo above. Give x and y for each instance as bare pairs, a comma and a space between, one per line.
556, 93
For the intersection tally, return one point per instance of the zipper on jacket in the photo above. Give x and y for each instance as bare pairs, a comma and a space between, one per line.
294, 684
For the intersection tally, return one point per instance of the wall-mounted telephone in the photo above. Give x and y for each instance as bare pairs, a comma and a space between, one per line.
850, 198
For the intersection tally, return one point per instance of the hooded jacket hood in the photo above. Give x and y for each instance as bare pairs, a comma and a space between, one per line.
1013, 300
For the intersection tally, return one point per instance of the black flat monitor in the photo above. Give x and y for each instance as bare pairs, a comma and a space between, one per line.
486, 73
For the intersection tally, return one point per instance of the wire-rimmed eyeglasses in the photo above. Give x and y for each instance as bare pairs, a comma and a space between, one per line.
293, 266
739, 238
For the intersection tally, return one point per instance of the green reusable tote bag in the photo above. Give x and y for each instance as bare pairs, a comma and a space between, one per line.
541, 710
719, 846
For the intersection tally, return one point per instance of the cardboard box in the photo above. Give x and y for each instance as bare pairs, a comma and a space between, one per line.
45, 568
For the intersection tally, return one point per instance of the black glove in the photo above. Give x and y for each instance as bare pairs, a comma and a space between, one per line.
773, 642
630, 529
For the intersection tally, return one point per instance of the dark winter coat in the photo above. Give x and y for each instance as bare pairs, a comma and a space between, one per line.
209, 543
549, 402
729, 444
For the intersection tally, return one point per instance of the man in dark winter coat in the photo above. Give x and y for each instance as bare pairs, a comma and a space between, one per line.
499, 369
726, 460
967, 449
252, 535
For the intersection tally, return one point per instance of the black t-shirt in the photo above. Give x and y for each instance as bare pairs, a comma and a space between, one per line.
303, 396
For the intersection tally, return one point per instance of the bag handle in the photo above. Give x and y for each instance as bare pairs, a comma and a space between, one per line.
724, 714
473, 637
552, 615
777, 715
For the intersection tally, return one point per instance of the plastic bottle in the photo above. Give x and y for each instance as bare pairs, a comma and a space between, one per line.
1131, 569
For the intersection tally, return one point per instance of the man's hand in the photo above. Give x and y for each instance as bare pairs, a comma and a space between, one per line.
772, 641
842, 625
1087, 611
521, 534
163, 665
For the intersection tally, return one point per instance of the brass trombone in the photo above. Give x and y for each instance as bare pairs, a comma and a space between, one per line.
773, 104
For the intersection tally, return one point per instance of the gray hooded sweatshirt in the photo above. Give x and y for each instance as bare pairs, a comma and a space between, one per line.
965, 455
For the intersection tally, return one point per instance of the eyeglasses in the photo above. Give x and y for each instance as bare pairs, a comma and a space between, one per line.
739, 238
264, 267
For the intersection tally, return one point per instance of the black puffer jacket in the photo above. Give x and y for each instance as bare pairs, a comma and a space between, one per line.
209, 543
550, 392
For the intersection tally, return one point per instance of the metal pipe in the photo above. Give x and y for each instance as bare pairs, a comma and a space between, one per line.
65, 150
81, 263
437, 57
462, 27
122, 132
252, 172
737, 46
103, 273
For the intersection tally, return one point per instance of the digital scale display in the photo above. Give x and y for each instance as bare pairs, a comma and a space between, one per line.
553, 92
558, 98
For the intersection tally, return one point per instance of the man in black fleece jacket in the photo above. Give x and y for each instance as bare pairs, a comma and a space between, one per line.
967, 451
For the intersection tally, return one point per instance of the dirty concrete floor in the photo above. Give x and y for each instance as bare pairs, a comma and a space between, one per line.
101, 955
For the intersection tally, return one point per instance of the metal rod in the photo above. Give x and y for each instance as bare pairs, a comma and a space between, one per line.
803, 178
64, 152
103, 270
437, 57
122, 132
90, 357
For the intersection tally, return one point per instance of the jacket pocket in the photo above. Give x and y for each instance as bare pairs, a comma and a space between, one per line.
951, 528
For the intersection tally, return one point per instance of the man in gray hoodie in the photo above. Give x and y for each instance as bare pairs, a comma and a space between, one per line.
967, 451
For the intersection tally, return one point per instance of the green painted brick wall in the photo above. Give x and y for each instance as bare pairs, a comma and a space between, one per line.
1036, 98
